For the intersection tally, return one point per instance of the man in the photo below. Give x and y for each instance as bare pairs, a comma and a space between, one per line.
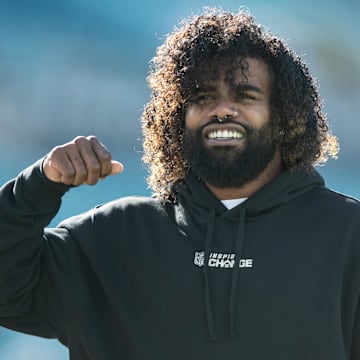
242, 252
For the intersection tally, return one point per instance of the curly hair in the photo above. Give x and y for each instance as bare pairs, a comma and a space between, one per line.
191, 51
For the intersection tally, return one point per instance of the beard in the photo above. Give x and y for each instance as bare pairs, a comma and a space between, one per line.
230, 166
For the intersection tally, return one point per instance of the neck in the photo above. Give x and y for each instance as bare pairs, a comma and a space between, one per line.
272, 170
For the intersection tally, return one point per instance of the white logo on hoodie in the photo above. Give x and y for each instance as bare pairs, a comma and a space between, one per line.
221, 260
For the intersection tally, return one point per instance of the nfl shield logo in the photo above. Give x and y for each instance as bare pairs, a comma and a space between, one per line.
199, 258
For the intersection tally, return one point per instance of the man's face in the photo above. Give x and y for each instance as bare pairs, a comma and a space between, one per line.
236, 150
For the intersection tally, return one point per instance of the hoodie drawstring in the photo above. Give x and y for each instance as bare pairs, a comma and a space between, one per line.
234, 278
235, 275
208, 303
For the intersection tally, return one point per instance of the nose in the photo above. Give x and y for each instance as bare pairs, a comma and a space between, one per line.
223, 109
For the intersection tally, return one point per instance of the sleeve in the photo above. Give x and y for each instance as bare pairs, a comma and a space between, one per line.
355, 338
27, 205
355, 347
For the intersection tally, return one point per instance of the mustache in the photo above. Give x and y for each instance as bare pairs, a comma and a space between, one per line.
249, 129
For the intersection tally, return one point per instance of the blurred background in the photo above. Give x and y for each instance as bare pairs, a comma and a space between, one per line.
79, 67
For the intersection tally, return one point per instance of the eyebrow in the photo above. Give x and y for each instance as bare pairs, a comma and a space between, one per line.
247, 87
242, 87
206, 88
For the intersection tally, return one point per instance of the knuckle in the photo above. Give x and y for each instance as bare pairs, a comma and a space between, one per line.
81, 175
63, 150
68, 179
78, 140
106, 156
94, 165
70, 173
56, 152
92, 181
92, 138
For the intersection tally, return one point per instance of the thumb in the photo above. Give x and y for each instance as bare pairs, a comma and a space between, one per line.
116, 167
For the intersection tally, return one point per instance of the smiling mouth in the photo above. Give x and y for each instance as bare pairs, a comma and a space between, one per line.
224, 134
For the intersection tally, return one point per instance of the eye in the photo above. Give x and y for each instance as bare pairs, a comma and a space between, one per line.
202, 97
246, 96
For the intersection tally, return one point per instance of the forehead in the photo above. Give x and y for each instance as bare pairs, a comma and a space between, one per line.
237, 71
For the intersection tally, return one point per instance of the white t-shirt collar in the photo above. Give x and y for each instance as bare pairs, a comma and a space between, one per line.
231, 203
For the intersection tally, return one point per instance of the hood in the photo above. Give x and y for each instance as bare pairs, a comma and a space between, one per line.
284, 188
195, 198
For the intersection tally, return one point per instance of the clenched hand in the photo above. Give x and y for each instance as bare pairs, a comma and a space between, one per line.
83, 160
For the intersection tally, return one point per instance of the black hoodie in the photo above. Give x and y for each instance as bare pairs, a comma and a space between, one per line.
275, 278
